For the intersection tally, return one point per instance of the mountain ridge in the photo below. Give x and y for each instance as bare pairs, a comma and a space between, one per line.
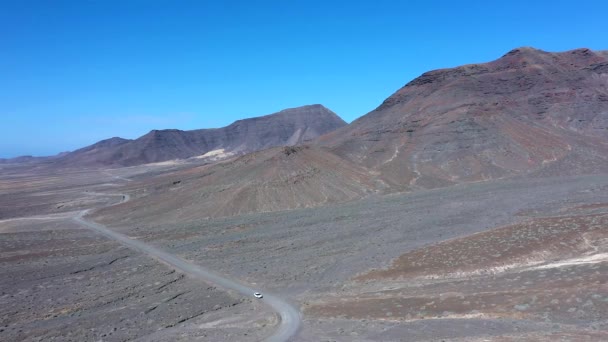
287, 127
513, 115
528, 113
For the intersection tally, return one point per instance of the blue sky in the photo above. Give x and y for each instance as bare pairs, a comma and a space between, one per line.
75, 72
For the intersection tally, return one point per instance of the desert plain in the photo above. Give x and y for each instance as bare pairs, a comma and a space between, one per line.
504, 260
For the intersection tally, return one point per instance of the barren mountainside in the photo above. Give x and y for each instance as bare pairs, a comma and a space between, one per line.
530, 111
274, 179
288, 127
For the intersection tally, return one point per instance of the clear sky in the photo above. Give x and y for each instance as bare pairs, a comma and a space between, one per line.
75, 72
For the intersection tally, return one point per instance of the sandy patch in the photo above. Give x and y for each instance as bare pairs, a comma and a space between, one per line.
215, 154
590, 259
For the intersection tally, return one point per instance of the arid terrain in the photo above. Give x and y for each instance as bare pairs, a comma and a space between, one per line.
64, 282
472, 205
511, 259
528, 113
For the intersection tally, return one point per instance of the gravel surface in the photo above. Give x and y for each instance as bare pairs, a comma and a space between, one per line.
64, 283
312, 254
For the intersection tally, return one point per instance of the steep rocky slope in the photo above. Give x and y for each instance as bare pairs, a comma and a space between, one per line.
528, 111
288, 127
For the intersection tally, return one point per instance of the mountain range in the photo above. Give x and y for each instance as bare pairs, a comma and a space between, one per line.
530, 112
288, 127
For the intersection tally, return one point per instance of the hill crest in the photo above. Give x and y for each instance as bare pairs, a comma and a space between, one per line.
288, 127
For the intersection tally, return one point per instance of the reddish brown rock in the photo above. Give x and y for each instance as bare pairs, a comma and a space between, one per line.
529, 110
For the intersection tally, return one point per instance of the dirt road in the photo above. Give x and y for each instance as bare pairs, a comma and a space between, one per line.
290, 316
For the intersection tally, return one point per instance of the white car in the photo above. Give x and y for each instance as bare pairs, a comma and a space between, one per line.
257, 295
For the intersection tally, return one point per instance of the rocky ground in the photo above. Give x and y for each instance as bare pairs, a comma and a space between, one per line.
549, 273
62, 282
320, 258
519, 259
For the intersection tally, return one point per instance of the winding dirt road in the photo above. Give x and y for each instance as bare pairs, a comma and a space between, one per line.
290, 316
